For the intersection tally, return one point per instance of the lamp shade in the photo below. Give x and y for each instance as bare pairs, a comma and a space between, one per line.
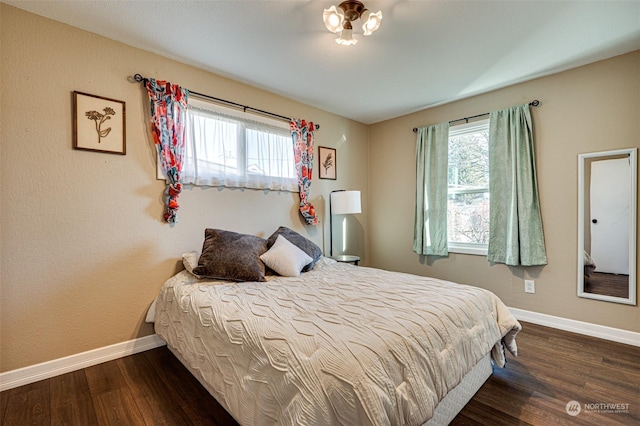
345, 202
346, 38
333, 19
372, 22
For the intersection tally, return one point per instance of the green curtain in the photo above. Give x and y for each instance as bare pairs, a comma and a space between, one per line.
515, 227
430, 227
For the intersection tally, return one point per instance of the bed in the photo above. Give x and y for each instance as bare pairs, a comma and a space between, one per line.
336, 344
589, 264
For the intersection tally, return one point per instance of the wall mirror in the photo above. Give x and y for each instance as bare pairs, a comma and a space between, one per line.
607, 185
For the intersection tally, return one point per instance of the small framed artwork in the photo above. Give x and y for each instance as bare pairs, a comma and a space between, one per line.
327, 164
99, 124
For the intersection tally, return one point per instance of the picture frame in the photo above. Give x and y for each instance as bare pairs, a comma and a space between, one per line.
327, 163
99, 124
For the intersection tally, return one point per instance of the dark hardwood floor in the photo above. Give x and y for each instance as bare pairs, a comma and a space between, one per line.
152, 388
607, 284
552, 369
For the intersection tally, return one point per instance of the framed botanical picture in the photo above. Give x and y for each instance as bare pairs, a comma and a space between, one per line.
327, 164
99, 124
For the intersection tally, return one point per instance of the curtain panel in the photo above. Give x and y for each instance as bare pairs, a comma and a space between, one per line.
515, 225
302, 135
168, 104
430, 226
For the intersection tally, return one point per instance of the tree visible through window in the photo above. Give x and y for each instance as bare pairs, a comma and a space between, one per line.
468, 188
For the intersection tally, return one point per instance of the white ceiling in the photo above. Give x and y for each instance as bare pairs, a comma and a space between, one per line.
425, 53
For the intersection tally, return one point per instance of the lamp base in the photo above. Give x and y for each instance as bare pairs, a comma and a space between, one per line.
347, 258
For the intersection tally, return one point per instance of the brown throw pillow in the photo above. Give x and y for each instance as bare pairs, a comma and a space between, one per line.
228, 255
301, 242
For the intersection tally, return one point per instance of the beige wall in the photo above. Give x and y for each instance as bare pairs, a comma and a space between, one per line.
84, 250
591, 108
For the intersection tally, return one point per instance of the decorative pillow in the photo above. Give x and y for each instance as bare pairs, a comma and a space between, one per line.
228, 255
285, 258
299, 241
190, 261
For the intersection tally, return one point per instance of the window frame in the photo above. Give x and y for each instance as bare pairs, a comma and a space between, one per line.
460, 247
247, 124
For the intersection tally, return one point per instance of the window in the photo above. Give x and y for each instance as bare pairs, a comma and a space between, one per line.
225, 148
468, 188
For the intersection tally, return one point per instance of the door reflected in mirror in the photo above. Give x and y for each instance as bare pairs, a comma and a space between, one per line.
607, 226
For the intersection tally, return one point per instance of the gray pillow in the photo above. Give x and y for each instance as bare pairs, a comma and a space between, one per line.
228, 255
301, 242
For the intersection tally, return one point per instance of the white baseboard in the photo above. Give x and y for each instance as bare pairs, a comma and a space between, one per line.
23, 376
580, 327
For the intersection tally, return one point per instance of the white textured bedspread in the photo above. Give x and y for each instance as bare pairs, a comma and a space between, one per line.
340, 344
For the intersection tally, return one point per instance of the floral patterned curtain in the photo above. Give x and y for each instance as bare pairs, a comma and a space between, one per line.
302, 135
168, 114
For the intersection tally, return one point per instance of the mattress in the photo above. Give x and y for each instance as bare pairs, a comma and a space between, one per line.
340, 344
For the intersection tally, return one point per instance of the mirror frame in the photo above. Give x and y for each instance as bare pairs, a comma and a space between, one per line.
631, 152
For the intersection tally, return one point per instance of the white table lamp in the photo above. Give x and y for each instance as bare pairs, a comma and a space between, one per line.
342, 202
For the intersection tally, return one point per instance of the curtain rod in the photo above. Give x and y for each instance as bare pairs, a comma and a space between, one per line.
140, 79
534, 103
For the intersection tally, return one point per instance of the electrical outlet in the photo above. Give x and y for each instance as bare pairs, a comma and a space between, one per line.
529, 286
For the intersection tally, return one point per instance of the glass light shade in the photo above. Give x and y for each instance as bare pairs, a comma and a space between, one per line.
346, 38
333, 19
345, 202
371, 22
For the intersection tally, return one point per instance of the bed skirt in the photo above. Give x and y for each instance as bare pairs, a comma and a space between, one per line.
459, 396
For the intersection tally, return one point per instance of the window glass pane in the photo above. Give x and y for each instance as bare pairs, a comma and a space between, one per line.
214, 143
468, 184
469, 161
269, 154
468, 218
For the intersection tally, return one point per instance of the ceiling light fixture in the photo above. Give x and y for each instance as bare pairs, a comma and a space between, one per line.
338, 19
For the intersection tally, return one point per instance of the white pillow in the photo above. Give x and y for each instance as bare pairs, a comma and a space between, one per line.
151, 313
286, 258
190, 261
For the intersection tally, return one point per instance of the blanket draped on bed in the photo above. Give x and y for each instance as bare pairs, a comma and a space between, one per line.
338, 345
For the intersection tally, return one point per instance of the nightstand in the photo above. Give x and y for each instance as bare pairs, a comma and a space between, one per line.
347, 258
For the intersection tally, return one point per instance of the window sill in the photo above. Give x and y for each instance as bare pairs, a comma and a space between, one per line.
472, 249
